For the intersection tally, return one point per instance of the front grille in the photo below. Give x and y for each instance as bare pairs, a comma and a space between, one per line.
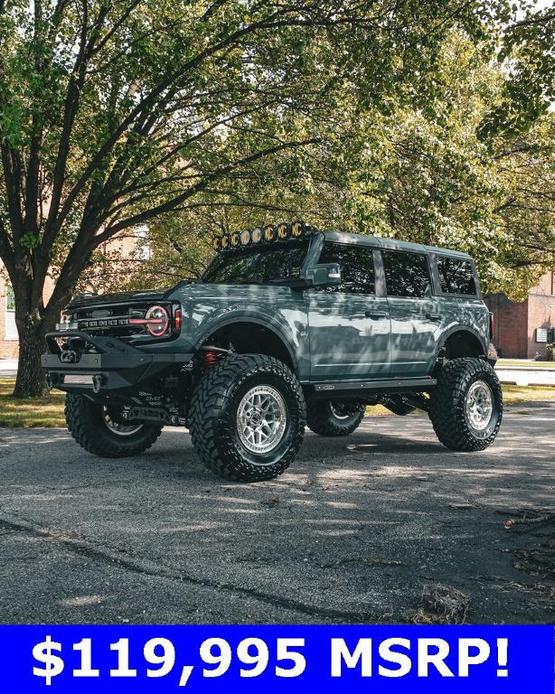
115, 320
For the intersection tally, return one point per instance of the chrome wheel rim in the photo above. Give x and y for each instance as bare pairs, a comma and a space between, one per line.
479, 405
118, 428
261, 419
337, 413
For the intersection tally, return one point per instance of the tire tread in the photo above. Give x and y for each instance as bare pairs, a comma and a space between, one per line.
215, 445
81, 425
447, 403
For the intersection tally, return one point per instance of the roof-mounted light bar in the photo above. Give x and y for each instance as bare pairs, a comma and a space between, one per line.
268, 234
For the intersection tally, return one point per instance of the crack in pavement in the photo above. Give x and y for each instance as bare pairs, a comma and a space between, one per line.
145, 567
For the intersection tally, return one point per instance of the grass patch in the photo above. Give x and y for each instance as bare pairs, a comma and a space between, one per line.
513, 395
524, 364
47, 411
377, 411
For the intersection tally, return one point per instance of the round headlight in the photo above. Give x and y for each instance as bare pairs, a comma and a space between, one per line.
256, 235
157, 321
224, 242
245, 238
269, 233
297, 230
217, 243
234, 240
283, 232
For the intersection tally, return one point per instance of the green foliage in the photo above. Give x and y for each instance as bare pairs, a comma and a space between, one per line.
428, 176
424, 175
528, 59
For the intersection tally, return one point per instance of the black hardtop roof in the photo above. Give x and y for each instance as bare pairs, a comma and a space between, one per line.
387, 243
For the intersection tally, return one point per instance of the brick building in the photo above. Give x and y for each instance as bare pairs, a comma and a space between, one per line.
523, 329
8, 331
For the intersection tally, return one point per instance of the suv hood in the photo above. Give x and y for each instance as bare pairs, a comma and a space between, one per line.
199, 290
119, 298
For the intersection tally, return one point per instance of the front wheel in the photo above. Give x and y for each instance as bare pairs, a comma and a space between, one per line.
247, 418
335, 417
100, 429
466, 406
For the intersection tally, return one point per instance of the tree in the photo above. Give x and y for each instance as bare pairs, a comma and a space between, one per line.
431, 176
179, 245
426, 175
113, 113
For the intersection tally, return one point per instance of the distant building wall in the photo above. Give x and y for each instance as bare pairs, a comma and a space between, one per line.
9, 346
510, 332
517, 323
541, 313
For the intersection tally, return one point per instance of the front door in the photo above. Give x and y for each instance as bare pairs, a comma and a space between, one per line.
415, 318
349, 324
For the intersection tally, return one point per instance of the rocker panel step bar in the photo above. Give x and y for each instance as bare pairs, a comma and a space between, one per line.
387, 385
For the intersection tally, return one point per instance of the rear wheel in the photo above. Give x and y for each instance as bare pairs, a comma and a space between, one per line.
466, 406
335, 417
247, 418
100, 429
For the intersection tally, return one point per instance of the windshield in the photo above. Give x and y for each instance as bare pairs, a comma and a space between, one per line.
258, 265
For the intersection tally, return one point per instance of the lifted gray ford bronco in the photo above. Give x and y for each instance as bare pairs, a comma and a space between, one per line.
289, 326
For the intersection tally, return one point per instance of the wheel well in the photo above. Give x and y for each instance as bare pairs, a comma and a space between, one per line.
462, 344
247, 338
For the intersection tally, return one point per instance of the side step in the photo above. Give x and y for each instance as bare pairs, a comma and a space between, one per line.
391, 385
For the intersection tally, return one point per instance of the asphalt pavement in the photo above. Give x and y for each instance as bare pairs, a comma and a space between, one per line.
383, 526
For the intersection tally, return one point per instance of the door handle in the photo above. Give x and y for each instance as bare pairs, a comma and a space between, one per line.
375, 314
433, 316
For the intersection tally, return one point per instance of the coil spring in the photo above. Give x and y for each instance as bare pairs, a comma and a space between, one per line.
210, 358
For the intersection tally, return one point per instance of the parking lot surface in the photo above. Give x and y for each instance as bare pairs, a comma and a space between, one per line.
383, 526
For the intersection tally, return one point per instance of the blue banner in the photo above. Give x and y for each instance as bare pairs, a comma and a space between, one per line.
278, 659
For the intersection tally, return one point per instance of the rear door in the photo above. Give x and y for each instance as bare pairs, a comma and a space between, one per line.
415, 317
349, 324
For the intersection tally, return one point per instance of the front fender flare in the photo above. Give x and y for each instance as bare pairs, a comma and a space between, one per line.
230, 318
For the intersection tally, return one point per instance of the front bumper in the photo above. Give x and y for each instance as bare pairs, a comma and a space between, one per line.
114, 366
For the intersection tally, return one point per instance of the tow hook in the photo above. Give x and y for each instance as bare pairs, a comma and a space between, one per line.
97, 381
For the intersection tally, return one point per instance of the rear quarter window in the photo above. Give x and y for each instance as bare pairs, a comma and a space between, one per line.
456, 276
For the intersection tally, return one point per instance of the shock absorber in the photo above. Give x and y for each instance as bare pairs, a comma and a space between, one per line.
210, 358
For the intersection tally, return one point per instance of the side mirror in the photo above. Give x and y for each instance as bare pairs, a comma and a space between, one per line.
324, 275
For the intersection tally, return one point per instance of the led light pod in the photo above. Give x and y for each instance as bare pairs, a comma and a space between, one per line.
297, 230
269, 233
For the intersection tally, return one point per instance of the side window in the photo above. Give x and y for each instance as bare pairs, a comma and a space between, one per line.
406, 274
456, 276
357, 267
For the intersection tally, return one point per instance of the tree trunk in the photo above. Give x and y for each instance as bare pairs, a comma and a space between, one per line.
31, 378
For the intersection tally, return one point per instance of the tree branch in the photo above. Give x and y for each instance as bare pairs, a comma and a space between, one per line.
169, 205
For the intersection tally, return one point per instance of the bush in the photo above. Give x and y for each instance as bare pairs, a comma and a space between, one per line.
550, 352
